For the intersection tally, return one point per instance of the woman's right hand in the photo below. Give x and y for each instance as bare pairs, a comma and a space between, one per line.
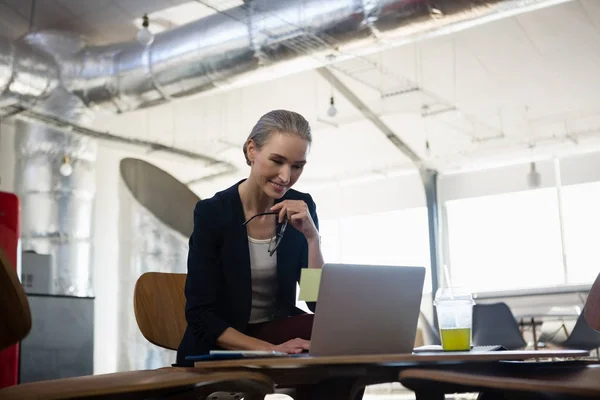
293, 346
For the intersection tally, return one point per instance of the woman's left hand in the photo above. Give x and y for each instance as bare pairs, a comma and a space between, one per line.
298, 216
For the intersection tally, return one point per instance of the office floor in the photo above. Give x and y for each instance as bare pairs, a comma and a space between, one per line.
387, 391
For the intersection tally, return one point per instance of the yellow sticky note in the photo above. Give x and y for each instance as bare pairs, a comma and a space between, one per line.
310, 279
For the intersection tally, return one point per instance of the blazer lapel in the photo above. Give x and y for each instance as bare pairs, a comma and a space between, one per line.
286, 281
240, 236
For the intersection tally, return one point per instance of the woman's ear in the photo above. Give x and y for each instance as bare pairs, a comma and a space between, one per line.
251, 150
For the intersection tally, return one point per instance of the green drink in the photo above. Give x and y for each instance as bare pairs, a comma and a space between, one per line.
456, 339
454, 308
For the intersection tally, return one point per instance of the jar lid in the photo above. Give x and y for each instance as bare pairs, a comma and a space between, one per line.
457, 294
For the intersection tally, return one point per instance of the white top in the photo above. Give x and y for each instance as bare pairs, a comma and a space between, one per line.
264, 280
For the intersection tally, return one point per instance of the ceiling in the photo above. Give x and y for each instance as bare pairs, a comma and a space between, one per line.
514, 89
100, 21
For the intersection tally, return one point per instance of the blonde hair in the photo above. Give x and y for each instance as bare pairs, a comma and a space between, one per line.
277, 121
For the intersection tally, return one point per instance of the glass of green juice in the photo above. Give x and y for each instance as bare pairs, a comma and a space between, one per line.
454, 307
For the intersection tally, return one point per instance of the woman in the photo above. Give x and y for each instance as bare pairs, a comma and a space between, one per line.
250, 242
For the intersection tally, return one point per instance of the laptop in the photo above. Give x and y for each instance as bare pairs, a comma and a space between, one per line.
361, 309
367, 309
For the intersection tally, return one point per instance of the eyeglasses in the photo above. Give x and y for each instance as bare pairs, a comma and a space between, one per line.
280, 230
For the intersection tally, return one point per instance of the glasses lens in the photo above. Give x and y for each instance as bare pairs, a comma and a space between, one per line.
273, 244
283, 226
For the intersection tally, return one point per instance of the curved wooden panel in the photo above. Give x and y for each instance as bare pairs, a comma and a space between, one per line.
168, 199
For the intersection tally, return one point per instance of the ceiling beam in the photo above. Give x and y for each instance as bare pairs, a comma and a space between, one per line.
371, 116
214, 166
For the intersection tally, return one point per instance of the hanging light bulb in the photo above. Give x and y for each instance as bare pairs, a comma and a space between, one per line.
534, 178
66, 169
144, 36
331, 111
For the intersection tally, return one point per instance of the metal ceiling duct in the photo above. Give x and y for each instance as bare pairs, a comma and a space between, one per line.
27, 74
57, 204
209, 52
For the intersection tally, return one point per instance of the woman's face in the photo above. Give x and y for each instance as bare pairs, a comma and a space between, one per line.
278, 164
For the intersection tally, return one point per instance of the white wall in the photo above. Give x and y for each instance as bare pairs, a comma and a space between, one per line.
486, 182
106, 259
7, 156
342, 199
575, 169
107, 262
106, 253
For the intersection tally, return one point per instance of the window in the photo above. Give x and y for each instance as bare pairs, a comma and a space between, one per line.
581, 216
506, 241
391, 238
330, 240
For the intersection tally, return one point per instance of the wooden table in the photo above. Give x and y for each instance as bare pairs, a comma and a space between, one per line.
345, 377
571, 380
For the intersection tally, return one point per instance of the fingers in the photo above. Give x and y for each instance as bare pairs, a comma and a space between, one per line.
290, 208
293, 205
301, 343
295, 346
299, 216
282, 208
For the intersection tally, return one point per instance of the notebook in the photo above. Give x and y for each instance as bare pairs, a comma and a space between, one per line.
436, 348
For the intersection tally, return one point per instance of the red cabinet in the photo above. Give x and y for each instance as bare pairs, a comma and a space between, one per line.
9, 241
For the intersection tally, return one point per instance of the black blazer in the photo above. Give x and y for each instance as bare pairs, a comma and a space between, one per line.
218, 287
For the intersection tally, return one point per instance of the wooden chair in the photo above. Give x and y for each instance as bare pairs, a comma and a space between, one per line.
592, 306
159, 306
15, 323
180, 383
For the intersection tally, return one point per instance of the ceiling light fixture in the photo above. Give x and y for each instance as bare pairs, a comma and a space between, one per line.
66, 169
144, 36
534, 178
331, 111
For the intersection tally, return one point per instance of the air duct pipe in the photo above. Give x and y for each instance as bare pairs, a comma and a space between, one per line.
208, 53
55, 178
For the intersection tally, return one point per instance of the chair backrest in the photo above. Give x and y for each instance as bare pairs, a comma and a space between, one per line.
15, 315
159, 306
495, 324
582, 336
592, 306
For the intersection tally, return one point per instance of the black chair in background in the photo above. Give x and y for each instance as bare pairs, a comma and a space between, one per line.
495, 324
